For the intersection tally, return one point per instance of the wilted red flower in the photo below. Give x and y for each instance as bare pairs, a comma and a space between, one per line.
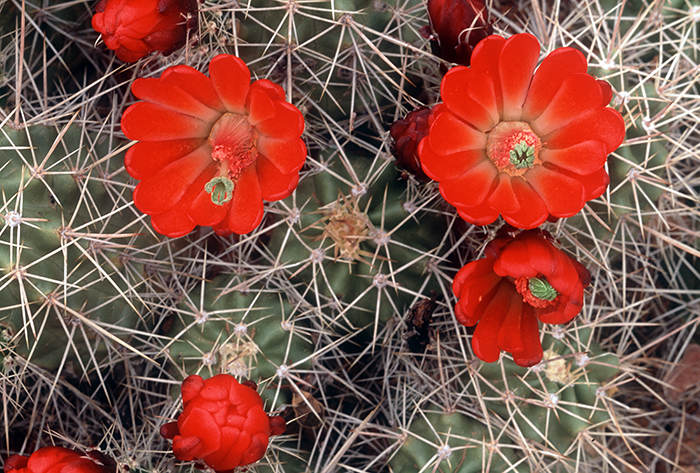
458, 26
523, 278
58, 460
211, 149
506, 142
406, 134
223, 423
135, 28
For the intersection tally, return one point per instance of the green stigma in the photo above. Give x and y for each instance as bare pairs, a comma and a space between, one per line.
541, 289
221, 190
522, 155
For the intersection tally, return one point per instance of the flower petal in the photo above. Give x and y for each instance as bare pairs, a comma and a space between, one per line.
287, 123
473, 187
246, 210
231, 79
259, 104
485, 60
595, 183
555, 67
200, 423
517, 62
454, 93
562, 195
485, 338
583, 158
158, 91
482, 90
533, 211
450, 135
163, 190
578, 93
273, 184
602, 124
448, 167
146, 158
202, 210
532, 353
287, 155
482, 214
503, 197
605, 91
150, 122
196, 84
510, 335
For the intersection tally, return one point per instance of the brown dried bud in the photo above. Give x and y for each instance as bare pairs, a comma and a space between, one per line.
407, 134
457, 27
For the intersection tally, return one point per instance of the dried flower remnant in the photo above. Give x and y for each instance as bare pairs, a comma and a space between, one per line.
406, 134
223, 423
527, 147
135, 28
523, 278
211, 149
457, 26
59, 460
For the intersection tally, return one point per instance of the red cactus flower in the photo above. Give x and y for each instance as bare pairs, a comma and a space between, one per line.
135, 28
223, 423
523, 278
406, 134
56, 460
211, 148
526, 147
458, 26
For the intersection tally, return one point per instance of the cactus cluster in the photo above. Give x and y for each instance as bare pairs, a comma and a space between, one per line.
339, 306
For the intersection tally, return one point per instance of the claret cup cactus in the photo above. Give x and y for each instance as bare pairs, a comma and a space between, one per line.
310, 212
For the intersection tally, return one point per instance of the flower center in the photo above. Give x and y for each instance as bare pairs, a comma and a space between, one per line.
233, 141
536, 291
513, 147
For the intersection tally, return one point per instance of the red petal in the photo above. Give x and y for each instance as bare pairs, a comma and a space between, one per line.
583, 158
557, 66
606, 92
602, 124
277, 425
517, 62
256, 450
195, 83
274, 91
149, 122
503, 197
246, 209
15, 462
479, 215
163, 190
231, 79
453, 91
273, 184
450, 135
174, 223
228, 456
198, 422
510, 335
287, 155
261, 107
514, 261
287, 124
485, 338
578, 93
186, 448
169, 430
533, 211
473, 187
530, 333
595, 184
146, 158
162, 93
447, 167
562, 195
44, 459
485, 60
191, 387
482, 90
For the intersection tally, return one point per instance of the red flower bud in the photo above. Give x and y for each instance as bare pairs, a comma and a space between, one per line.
523, 278
56, 460
223, 423
135, 28
406, 134
457, 25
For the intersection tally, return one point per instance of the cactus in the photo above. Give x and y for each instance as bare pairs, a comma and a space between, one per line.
245, 330
360, 246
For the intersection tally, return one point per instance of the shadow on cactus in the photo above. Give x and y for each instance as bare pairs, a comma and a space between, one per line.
71, 283
360, 251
